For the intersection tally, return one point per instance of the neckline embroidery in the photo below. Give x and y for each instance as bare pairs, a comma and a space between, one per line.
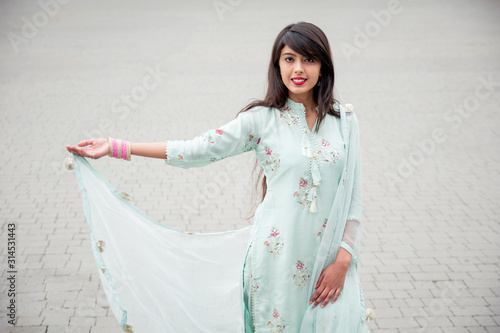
297, 111
294, 114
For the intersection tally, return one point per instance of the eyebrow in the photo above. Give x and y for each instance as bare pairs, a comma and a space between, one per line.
292, 54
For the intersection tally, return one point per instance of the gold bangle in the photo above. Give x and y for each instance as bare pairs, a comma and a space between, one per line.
119, 144
129, 150
110, 144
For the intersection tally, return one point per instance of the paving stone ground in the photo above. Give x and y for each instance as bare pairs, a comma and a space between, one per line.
424, 79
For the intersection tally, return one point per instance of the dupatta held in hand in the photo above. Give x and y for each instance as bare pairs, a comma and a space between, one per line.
158, 279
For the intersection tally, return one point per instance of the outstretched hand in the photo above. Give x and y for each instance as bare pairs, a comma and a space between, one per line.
331, 280
93, 148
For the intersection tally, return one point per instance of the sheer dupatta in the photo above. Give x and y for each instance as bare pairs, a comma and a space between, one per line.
348, 313
158, 279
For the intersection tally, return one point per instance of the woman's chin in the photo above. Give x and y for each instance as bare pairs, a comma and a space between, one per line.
299, 91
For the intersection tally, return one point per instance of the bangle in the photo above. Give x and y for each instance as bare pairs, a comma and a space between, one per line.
115, 148
129, 150
124, 149
110, 145
119, 149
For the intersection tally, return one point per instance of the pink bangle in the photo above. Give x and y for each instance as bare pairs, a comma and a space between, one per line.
115, 148
124, 150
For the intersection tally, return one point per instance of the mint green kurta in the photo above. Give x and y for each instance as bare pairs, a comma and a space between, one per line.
158, 279
304, 170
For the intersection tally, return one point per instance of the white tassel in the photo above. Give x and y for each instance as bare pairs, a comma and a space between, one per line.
101, 245
306, 146
370, 314
304, 151
316, 176
312, 209
312, 199
312, 193
69, 163
125, 196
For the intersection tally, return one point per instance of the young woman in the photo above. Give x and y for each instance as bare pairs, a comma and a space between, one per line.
299, 272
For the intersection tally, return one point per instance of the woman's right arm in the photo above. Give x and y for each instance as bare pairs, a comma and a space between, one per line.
97, 148
153, 150
237, 136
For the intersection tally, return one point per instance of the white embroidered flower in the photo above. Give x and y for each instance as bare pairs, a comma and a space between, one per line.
69, 163
370, 314
348, 108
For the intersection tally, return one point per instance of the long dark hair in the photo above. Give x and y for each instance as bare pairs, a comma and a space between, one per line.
310, 41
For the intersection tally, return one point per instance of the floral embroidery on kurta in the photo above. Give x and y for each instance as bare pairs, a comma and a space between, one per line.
272, 159
274, 243
212, 136
327, 153
303, 192
320, 234
302, 275
290, 117
251, 142
277, 323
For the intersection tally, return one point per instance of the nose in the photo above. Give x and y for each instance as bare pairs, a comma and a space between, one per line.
298, 67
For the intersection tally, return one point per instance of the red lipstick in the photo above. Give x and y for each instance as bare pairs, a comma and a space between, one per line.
298, 81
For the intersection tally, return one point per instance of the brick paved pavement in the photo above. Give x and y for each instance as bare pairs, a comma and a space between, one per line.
430, 260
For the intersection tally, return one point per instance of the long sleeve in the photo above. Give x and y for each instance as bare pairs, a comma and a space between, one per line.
350, 240
238, 136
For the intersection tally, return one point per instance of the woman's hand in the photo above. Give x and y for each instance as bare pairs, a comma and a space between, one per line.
332, 279
93, 148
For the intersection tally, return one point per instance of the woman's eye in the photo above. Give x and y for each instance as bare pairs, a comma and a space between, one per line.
288, 59
309, 60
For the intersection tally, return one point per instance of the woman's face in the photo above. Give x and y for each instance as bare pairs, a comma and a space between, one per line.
299, 74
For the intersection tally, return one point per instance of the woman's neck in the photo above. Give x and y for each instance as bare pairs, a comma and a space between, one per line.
305, 99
